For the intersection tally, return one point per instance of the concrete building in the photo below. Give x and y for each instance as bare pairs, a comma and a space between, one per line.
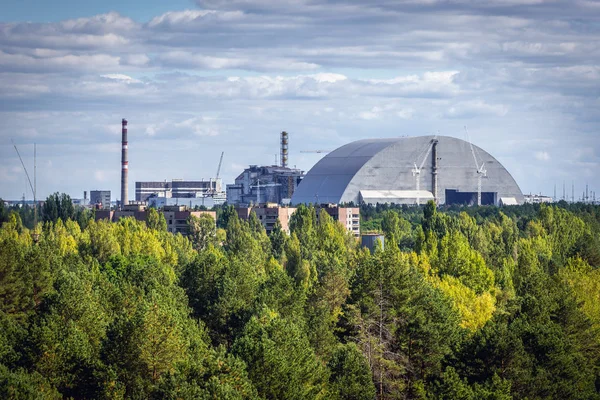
347, 216
176, 216
537, 199
267, 214
100, 198
266, 184
179, 188
408, 170
370, 240
190, 202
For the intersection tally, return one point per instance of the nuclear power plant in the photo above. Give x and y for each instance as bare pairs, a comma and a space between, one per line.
406, 170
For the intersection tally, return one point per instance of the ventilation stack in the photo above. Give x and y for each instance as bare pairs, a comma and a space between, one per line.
434, 171
124, 164
284, 149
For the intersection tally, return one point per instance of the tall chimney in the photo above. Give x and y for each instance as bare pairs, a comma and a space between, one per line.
284, 149
124, 163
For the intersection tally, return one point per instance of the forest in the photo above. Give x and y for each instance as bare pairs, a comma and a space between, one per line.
459, 303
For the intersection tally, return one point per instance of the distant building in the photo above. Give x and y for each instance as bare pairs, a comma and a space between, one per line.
408, 170
264, 184
267, 214
369, 240
100, 198
347, 216
182, 189
537, 199
176, 216
191, 202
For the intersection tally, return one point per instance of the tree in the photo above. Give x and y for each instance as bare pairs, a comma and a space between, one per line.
281, 363
157, 221
350, 374
278, 240
58, 206
202, 230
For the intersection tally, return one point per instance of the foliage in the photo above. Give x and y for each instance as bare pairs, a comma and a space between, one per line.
462, 303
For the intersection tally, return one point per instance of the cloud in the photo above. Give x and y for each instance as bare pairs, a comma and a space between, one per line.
473, 108
209, 78
542, 155
121, 77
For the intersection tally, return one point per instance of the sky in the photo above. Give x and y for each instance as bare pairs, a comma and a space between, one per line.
195, 78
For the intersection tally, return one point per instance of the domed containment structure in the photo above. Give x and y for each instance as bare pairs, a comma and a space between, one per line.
409, 170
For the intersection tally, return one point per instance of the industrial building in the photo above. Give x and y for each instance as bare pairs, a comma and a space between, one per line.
409, 170
264, 184
180, 189
100, 199
191, 202
176, 216
537, 199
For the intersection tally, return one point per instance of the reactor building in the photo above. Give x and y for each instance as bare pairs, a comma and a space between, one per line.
409, 170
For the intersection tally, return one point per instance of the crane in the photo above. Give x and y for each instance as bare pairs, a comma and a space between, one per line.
258, 186
33, 187
211, 190
481, 171
416, 171
315, 151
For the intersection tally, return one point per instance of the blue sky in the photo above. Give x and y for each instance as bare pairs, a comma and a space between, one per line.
55, 11
195, 78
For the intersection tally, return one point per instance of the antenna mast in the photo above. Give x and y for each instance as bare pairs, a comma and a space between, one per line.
481, 171
32, 186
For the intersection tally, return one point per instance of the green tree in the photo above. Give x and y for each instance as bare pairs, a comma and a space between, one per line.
278, 239
350, 374
202, 230
156, 220
281, 363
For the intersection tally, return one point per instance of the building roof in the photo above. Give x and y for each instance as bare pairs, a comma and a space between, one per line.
388, 164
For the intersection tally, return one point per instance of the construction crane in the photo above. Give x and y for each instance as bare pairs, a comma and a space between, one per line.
481, 171
315, 151
258, 186
416, 171
33, 187
210, 189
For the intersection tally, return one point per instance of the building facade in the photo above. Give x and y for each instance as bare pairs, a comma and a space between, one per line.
349, 217
267, 214
178, 188
100, 198
537, 199
264, 184
176, 216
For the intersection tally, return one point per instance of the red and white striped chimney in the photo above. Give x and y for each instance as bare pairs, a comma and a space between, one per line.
124, 163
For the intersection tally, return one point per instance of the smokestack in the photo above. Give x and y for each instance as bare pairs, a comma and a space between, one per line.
434, 171
124, 163
284, 149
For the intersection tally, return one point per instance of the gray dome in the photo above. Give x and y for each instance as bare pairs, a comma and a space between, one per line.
382, 170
